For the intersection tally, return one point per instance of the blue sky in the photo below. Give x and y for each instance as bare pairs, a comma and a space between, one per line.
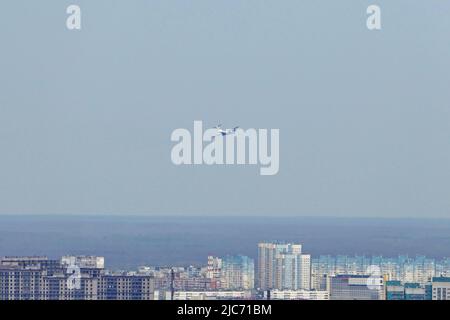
364, 117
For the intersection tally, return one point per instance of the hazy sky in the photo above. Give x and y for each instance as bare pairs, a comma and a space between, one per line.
364, 117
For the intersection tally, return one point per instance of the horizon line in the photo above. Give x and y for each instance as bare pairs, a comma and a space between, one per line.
232, 215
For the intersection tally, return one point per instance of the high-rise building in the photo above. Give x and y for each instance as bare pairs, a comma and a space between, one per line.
238, 273
214, 271
126, 287
419, 269
354, 287
283, 267
231, 272
22, 280
304, 272
414, 291
214, 267
56, 288
39, 278
84, 261
440, 288
395, 290
30, 262
71, 278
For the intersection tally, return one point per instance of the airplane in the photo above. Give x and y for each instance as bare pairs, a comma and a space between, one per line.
224, 132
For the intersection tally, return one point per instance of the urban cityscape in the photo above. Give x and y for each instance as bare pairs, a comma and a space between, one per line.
282, 271
190, 160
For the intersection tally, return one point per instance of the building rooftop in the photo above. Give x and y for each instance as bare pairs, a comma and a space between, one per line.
441, 279
393, 283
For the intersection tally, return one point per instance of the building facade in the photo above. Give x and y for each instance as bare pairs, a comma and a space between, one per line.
395, 290
299, 295
440, 288
354, 287
283, 267
208, 295
71, 278
238, 273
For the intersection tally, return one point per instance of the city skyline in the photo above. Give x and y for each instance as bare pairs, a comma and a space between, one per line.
224, 159
283, 272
